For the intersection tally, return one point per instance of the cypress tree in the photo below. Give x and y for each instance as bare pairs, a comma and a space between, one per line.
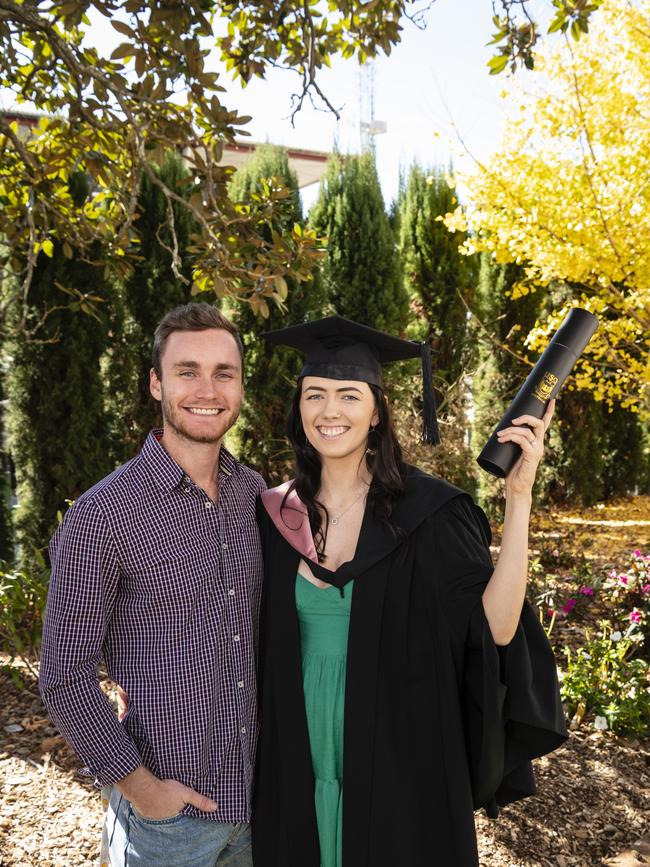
6, 472
151, 290
434, 269
270, 372
499, 374
361, 273
56, 421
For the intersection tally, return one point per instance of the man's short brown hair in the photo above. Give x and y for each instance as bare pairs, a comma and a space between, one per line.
190, 317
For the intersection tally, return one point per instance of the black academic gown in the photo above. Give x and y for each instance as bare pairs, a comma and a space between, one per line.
438, 720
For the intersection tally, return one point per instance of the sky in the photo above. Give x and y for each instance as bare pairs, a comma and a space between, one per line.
432, 90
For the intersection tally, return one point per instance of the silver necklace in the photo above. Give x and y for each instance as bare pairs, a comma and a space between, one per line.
336, 518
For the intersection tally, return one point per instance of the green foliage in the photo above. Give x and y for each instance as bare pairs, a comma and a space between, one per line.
22, 603
499, 332
604, 680
110, 117
6, 522
360, 273
592, 453
270, 372
151, 290
517, 32
55, 419
434, 269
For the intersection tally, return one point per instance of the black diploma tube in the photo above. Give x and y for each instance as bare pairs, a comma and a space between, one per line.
544, 382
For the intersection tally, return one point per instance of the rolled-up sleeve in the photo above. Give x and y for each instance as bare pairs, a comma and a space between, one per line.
83, 584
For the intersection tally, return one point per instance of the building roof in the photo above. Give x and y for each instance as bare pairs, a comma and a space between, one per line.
308, 165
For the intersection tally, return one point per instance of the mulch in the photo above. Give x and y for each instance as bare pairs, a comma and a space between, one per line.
593, 801
592, 808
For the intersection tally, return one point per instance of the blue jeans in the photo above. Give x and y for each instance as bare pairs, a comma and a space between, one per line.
182, 841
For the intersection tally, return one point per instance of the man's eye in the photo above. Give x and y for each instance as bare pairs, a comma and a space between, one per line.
187, 373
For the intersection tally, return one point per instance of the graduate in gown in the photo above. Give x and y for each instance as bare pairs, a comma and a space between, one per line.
404, 681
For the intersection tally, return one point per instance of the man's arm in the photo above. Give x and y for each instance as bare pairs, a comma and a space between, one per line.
80, 601
83, 586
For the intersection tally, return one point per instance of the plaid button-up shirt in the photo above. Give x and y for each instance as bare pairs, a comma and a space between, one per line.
153, 579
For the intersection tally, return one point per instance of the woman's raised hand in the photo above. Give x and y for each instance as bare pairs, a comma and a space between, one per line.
521, 477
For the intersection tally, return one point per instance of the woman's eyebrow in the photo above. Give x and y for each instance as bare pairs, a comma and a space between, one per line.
344, 388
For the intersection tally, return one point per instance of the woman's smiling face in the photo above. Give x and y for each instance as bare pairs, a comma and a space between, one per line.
336, 415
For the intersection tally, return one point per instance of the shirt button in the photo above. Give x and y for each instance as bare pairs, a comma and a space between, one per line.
240, 684
224, 546
208, 504
243, 730
235, 638
231, 592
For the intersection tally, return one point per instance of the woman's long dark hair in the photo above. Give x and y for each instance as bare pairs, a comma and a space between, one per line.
383, 460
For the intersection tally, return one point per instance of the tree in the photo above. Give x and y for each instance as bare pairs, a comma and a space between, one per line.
139, 303
434, 270
592, 454
567, 197
270, 370
56, 422
498, 328
110, 118
6, 523
361, 270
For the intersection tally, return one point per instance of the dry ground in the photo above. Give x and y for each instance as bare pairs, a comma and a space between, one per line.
593, 806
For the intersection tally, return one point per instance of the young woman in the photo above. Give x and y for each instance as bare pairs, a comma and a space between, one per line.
404, 681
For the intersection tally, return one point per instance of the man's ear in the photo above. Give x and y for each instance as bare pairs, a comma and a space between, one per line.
154, 385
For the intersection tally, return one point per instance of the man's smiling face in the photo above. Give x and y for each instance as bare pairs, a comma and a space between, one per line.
201, 386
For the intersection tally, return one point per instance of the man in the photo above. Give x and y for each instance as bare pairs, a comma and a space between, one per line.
157, 572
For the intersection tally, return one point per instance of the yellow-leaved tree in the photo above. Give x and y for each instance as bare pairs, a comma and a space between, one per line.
567, 195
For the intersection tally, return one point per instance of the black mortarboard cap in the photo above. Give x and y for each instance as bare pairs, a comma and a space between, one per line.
337, 348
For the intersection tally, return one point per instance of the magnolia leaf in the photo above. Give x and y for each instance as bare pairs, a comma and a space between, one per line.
281, 287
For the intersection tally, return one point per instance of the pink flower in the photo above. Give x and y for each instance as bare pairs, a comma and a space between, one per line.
612, 573
587, 591
646, 588
555, 553
635, 616
636, 553
569, 605
623, 579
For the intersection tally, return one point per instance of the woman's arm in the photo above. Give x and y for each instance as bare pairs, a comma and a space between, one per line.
503, 597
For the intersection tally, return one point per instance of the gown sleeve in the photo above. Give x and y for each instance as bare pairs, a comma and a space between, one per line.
510, 695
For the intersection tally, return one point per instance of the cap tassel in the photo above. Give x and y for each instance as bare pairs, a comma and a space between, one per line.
431, 432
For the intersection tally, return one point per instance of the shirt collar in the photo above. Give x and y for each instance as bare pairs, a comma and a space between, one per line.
167, 474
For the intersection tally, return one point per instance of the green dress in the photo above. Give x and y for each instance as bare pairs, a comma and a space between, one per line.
324, 618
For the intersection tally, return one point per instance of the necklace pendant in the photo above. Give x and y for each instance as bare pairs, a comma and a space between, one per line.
334, 520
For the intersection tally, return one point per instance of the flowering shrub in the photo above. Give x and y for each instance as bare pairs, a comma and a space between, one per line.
606, 680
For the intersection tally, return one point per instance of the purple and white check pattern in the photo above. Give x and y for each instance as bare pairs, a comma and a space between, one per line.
163, 587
